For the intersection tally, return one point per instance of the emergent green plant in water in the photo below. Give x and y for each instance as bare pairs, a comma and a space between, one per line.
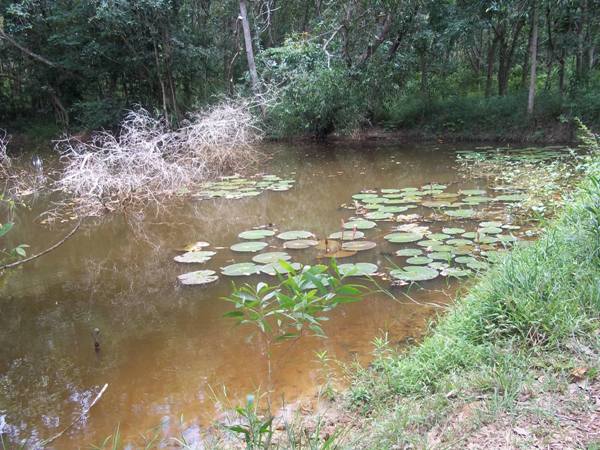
293, 307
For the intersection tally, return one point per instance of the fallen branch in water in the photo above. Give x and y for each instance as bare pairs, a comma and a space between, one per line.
83, 413
31, 258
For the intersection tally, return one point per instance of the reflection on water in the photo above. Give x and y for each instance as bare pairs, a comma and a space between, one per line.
165, 348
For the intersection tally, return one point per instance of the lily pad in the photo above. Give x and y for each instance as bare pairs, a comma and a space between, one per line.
438, 236
359, 224
429, 243
250, 247
464, 259
294, 235
240, 269
473, 192
256, 234
442, 256
490, 224
409, 252
419, 260
378, 215
438, 265
393, 209
195, 257
357, 269
459, 242
505, 238
469, 235
358, 246
278, 268
460, 213
401, 238
456, 272
477, 265
364, 196
414, 273
453, 230
300, 244
271, 257
349, 235
439, 247
511, 198
198, 277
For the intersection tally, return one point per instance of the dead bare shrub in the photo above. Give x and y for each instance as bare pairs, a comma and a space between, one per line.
147, 161
5, 162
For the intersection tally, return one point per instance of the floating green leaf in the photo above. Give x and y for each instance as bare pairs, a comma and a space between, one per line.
271, 257
359, 224
472, 192
419, 260
414, 273
195, 257
198, 277
240, 269
409, 252
256, 234
349, 235
460, 213
294, 235
378, 215
279, 268
300, 244
358, 246
453, 230
400, 238
357, 269
251, 247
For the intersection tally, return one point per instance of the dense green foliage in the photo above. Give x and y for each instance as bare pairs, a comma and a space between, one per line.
333, 65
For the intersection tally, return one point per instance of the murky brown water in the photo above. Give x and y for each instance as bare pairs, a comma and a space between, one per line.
166, 348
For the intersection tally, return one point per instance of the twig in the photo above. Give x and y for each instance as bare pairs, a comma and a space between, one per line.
23, 261
83, 413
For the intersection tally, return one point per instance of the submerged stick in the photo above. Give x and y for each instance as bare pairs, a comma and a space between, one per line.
83, 413
23, 261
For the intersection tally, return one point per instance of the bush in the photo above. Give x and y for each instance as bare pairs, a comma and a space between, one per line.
316, 96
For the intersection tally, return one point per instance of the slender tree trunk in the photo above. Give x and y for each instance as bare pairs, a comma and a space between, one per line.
491, 56
249, 49
561, 72
525, 72
533, 59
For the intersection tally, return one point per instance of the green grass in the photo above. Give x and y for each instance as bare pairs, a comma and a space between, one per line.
518, 320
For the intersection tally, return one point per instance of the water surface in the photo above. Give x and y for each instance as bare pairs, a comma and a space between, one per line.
166, 349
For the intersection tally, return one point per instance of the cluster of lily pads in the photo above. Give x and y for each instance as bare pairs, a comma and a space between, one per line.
236, 187
542, 175
386, 203
459, 249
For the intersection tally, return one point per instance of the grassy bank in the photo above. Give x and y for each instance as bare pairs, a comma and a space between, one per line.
513, 362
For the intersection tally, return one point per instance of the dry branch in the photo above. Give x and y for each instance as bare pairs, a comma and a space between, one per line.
147, 162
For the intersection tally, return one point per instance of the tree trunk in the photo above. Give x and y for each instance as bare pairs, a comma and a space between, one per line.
533, 59
249, 49
561, 72
491, 56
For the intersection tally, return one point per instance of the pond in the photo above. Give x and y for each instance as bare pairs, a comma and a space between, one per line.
166, 350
